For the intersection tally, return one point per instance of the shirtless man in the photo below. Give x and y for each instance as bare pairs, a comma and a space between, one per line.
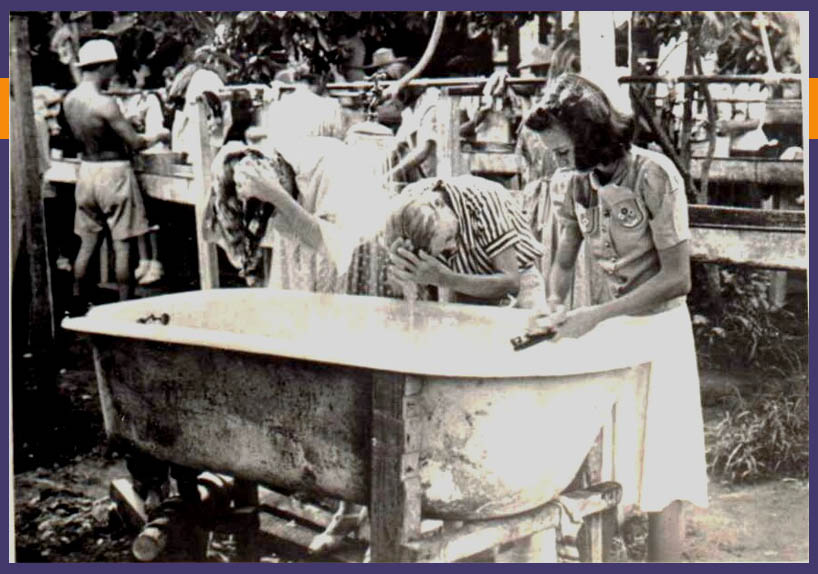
107, 193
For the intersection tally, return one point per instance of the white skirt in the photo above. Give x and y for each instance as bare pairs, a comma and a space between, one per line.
669, 464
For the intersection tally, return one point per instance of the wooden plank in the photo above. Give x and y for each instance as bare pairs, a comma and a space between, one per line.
751, 170
447, 148
494, 148
395, 490
245, 494
300, 536
741, 218
765, 249
202, 157
492, 163
62, 171
306, 512
175, 189
477, 536
29, 213
65, 170
129, 504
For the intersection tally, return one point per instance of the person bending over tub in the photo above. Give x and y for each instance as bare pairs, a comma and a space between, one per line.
316, 233
628, 204
466, 234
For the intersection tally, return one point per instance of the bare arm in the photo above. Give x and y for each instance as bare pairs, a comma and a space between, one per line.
414, 159
561, 273
297, 221
672, 280
292, 217
126, 131
427, 270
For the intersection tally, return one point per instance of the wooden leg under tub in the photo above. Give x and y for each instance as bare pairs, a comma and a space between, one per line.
395, 491
666, 533
245, 496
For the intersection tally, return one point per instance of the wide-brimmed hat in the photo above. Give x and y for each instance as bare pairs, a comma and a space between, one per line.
539, 57
383, 57
96, 52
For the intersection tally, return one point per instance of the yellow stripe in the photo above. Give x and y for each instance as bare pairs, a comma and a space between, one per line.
4, 108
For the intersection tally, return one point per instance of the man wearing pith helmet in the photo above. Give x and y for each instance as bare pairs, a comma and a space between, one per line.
107, 192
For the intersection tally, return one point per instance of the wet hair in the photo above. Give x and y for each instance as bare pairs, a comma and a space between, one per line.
418, 218
601, 134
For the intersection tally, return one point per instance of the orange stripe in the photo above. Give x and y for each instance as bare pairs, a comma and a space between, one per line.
4, 109
813, 108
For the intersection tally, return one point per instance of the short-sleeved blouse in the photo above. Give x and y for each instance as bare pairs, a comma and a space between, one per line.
626, 222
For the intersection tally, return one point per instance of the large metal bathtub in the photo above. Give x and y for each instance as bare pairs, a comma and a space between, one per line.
276, 387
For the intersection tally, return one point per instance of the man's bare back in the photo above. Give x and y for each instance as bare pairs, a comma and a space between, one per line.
97, 122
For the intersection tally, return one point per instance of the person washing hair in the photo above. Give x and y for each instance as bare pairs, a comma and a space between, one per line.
466, 234
629, 206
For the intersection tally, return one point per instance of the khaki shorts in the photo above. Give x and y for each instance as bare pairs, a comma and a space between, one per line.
108, 196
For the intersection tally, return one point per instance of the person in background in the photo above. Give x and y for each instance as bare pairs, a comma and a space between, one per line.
47, 109
107, 193
188, 85
468, 235
628, 206
386, 67
297, 105
65, 43
144, 110
315, 233
539, 164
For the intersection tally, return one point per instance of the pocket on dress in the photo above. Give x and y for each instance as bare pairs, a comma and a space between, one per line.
628, 214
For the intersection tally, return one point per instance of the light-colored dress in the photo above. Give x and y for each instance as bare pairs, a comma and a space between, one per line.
347, 205
624, 223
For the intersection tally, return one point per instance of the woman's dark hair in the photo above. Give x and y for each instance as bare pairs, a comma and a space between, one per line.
601, 134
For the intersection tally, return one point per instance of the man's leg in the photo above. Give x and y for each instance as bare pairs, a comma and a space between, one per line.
666, 533
88, 247
122, 265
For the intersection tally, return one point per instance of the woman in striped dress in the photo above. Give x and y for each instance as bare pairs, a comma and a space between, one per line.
466, 234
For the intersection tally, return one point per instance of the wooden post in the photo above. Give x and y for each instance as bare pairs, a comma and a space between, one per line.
395, 490
201, 158
245, 495
27, 205
447, 149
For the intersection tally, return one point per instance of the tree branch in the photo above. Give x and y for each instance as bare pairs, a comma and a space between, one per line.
711, 134
664, 140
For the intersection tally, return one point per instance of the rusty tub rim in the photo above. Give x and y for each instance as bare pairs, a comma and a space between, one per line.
613, 344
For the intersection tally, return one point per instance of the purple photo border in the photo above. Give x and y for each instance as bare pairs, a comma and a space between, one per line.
370, 5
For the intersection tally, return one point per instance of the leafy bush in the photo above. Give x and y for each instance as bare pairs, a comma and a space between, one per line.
736, 327
763, 437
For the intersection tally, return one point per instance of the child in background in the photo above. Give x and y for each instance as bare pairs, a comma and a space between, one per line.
144, 110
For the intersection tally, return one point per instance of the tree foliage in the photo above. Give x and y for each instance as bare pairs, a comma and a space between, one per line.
735, 36
251, 46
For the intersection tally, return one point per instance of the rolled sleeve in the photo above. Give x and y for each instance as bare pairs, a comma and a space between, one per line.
664, 196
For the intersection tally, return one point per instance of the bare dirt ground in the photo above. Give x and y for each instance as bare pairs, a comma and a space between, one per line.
63, 472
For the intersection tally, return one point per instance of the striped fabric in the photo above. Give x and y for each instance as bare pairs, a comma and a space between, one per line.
490, 222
